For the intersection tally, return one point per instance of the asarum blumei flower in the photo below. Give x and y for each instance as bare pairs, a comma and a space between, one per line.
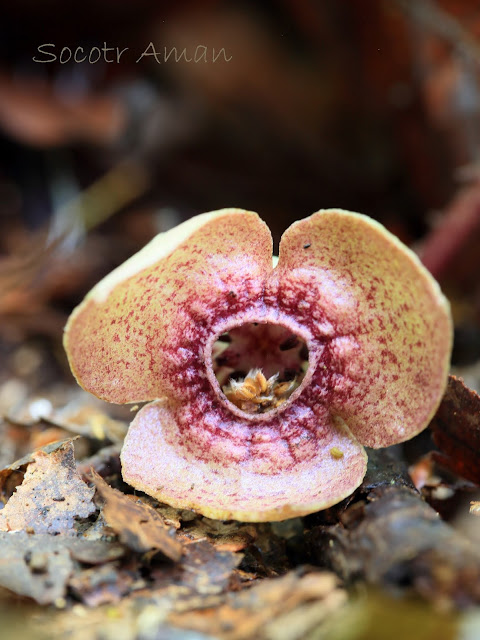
264, 381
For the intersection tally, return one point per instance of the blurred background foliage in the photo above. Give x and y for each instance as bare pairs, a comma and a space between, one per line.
369, 105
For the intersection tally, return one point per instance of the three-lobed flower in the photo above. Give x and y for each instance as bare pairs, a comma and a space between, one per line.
264, 382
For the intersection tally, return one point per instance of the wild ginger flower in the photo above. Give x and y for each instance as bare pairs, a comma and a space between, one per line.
202, 303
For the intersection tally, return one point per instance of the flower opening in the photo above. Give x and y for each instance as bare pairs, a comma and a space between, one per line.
259, 365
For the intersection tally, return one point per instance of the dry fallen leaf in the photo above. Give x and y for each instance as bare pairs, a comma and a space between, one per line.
456, 430
40, 566
139, 526
84, 417
12, 475
71, 411
51, 497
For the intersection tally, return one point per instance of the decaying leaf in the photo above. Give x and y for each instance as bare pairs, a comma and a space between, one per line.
138, 525
456, 430
51, 497
34, 566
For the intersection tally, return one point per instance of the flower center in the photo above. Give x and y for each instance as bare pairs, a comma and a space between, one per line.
259, 365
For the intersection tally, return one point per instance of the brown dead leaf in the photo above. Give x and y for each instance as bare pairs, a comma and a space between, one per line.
105, 462
456, 430
92, 552
51, 497
138, 525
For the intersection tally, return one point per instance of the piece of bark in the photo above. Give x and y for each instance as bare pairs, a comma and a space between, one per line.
388, 536
456, 430
139, 526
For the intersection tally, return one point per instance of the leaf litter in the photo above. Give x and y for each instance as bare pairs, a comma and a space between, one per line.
126, 566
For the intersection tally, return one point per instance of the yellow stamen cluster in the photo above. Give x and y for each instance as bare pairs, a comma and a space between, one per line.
256, 394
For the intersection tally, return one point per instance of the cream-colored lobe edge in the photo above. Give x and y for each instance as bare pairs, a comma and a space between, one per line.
277, 514
159, 247
407, 252
395, 241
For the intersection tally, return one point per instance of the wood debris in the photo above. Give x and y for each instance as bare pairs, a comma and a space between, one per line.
387, 535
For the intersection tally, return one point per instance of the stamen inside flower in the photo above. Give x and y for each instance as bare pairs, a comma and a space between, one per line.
256, 394
259, 365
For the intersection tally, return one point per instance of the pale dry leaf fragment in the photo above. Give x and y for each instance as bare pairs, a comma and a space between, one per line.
51, 497
224, 536
34, 566
40, 566
88, 420
12, 475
